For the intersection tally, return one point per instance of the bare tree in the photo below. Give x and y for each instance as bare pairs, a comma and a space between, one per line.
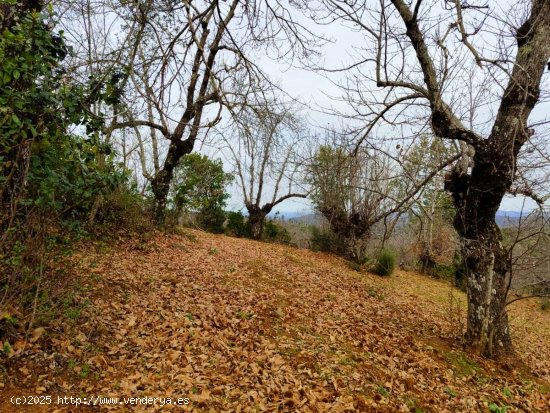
263, 143
432, 208
355, 188
528, 238
179, 60
350, 190
422, 58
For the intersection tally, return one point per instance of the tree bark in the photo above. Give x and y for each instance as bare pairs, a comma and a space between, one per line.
487, 330
352, 230
160, 185
256, 219
477, 198
354, 246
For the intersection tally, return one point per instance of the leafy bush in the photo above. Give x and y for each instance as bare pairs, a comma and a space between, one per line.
211, 220
276, 233
385, 264
54, 170
67, 176
200, 187
124, 208
237, 225
324, 240
444, 272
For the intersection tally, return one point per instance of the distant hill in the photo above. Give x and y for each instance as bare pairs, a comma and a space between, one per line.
309, 219
504, 219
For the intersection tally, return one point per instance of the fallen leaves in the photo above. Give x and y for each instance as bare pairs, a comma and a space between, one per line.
263, 327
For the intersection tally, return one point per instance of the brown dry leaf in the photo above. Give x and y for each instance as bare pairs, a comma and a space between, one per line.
36, 334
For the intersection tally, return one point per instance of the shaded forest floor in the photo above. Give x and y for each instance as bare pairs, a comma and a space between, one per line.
238, 325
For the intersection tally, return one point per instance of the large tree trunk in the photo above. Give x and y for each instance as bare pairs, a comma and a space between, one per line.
256, 219
160, 185
352, 230
354, 246
486, 270
477, 198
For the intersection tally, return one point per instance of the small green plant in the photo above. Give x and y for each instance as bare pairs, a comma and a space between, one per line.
545, 303
244, 315
6, 347
411, 404
495, 408
85, 371
449, 391
506, 391
355, 266
323, 240
372, 292
72, 309
347, 361
462, 365
213, 251
237, 225
180, 231
385, 264
444, 272
382, 390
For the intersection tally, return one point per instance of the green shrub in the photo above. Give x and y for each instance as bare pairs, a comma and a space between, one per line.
199, 187
211, 220
237, 225
385, 265
50, 146
444, 272
324, 240
123, 208
276, 233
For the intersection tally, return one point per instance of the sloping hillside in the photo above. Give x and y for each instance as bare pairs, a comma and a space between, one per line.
238, 325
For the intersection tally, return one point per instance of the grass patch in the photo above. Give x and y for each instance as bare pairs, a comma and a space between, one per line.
462, 365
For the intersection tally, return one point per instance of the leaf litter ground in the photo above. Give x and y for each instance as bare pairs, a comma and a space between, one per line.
242, 326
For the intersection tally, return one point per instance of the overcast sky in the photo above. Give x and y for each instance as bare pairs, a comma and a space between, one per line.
315, 90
